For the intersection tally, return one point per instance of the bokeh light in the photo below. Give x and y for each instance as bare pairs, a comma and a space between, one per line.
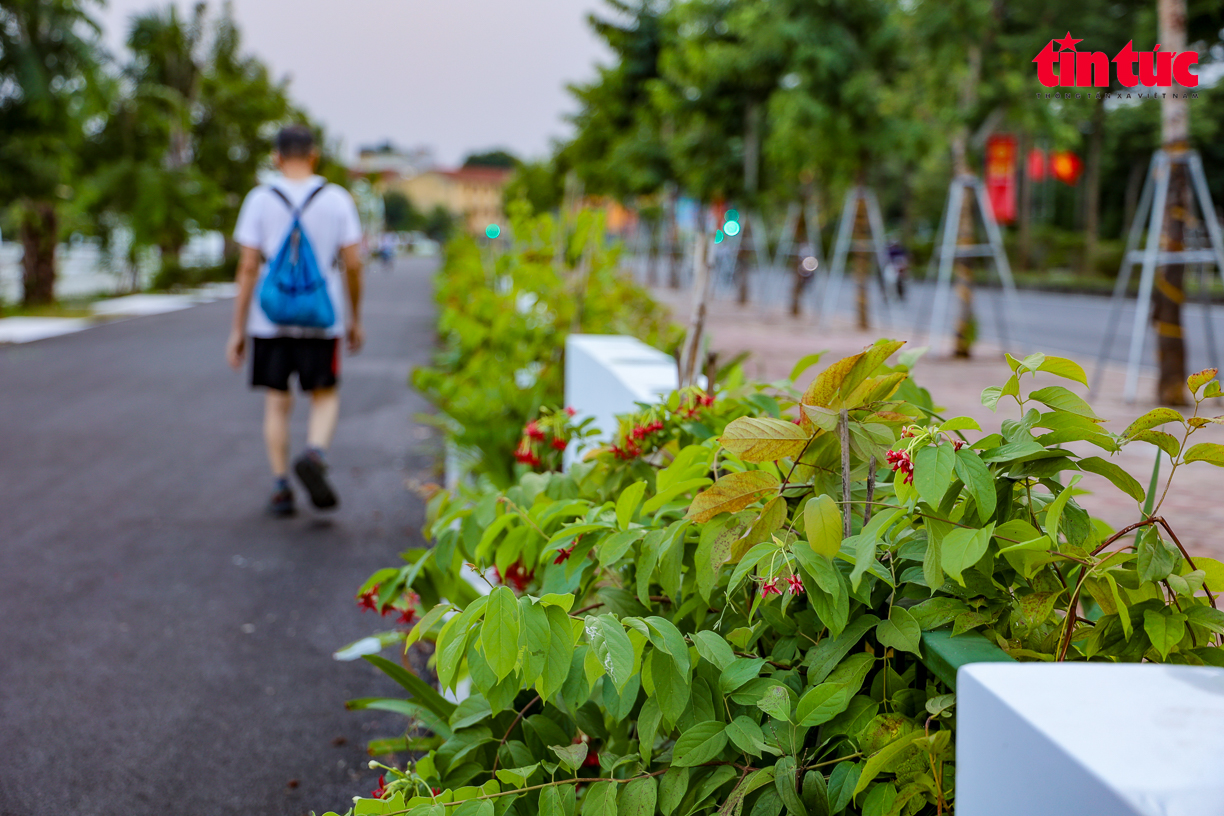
731, 228
733, 215
718, 236
492, 230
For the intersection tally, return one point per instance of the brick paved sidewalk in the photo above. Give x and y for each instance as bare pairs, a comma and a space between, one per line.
1194, 507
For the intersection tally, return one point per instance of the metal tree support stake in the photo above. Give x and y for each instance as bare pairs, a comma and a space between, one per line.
846, 244
948, 251
1152, 205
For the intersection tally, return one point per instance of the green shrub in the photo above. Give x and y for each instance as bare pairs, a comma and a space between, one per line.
503, 320
728, 615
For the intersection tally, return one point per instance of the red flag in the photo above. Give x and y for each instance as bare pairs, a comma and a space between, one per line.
1066, 167
1036, 165
1001, 176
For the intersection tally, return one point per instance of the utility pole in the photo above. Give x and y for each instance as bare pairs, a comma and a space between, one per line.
1170, 290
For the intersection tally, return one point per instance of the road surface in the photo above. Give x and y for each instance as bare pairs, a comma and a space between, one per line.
165, 648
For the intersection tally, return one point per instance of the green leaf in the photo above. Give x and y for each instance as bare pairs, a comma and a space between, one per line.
1214, 570
560, 652
671, 688
820, 704
776, 703
933, 468
826, 656
877, 761
474, 807
613, 548
900, 631
1152, 419
664, 635
1208, 452
1166, 442
638, 798
517, 777
713, 648
738, 673
571, 756
648, 728
731, 493
746, 735
805, 362
1156, 559
550, 802
1205, 616
1060, 399
823, 522
421, 691
701, 743
748, 563
842, 783
611, 647
962, 423
499, 633
470, 711
962, 548
1062, 367
600, 800
786, 782
763, 439
1121, 479
1055, 510
672, 789
1165, 629
971, 470
627, 503
991, 396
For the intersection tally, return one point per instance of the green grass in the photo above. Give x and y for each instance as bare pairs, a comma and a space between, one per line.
64, 308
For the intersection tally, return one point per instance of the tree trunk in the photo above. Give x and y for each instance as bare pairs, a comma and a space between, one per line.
1170, 290
801, 279
701, 291
862, 266
743, 260
966, 324
1024, 237
39, 231
670, 238
1092, 188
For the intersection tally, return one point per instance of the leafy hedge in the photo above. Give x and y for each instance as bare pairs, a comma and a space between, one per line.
728, 617
504, 317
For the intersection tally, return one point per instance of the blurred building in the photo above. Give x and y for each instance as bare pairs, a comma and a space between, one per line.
471, 193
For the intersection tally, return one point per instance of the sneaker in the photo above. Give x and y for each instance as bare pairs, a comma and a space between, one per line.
312, 471
280, 505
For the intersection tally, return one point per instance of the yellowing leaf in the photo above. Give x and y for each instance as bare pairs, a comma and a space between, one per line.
825, 387
1166, 442
1153, 418
763, 439
731, 493
822, 520
1197, 381
1208, 452
1215, 573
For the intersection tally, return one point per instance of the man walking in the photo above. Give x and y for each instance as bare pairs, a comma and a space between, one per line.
298, 210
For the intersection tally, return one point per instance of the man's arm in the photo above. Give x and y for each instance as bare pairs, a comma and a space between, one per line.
248, 272
351, 256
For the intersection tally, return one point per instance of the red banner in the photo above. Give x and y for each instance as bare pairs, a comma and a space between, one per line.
1001, 176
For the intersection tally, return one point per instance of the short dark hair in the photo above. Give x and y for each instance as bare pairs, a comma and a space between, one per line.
295, 142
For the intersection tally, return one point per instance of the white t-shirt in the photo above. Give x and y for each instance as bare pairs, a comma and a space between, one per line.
330, 223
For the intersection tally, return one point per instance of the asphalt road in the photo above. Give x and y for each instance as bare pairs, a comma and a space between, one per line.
165, 648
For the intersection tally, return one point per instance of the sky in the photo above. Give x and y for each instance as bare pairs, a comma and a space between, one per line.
455, 75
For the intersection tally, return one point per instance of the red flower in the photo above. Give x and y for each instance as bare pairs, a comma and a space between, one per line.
435, 791
369, 599
957, 444
563, 554
796, 584
533, 430
525, 454
381, 790
901, 462
558, 443
407, 616
770, 587
570, 411
516, 576
592, 760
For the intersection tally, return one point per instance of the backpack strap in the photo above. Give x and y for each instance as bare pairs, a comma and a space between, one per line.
297, 211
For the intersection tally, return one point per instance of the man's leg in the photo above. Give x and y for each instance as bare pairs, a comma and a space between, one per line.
324, 413
278, 408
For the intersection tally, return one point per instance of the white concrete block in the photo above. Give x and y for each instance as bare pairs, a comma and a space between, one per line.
607, 374
1089, 739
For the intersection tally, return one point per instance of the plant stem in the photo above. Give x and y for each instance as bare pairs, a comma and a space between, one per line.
843, 431
506, 736
871, 477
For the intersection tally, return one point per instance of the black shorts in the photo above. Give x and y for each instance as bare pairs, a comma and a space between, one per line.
315, 359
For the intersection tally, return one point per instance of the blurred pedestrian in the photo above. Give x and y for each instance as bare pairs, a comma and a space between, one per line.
386, 250
297, 210
900, 264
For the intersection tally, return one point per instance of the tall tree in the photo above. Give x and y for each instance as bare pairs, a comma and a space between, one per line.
48, 52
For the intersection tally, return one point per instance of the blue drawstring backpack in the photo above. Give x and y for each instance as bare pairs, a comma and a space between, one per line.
294, 292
